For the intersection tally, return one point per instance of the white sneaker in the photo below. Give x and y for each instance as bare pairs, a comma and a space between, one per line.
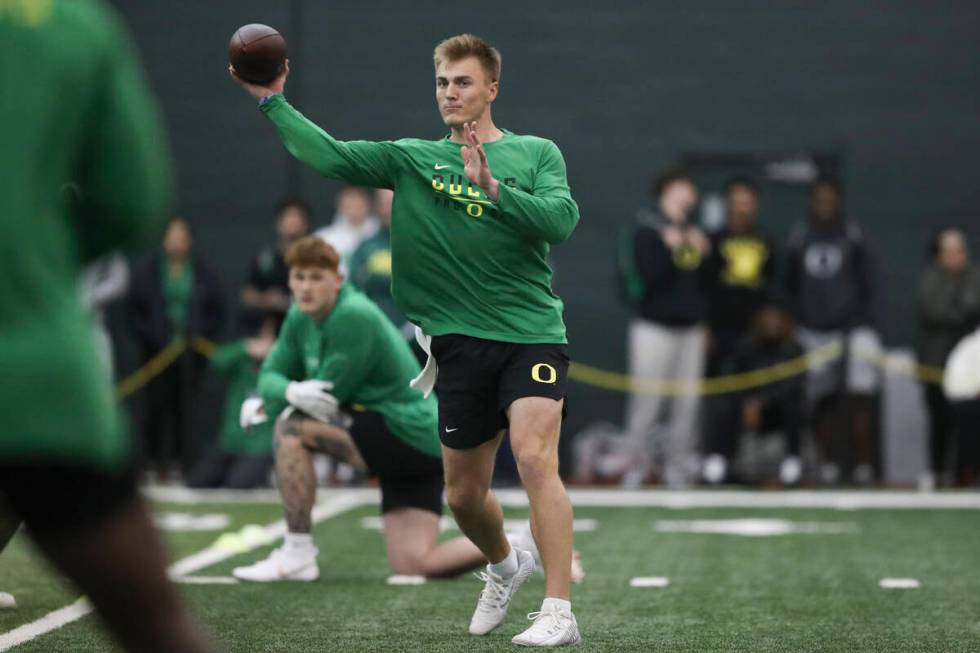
791, 470
491, 608
715, 468
282, 565
550, 628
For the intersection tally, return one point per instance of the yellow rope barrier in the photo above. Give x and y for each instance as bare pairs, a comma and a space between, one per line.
717, 385
152, 369
605, 379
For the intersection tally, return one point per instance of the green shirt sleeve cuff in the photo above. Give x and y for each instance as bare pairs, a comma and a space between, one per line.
270, 102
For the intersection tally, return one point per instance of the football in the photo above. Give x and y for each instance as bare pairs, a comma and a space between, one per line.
257, 53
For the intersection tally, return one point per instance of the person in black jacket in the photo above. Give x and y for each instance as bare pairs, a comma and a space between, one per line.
173, 294
831, 282
667, 334
949, 309
267, 282
738, 273
774, 406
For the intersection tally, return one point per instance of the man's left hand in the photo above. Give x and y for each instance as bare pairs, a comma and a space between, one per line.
475, 164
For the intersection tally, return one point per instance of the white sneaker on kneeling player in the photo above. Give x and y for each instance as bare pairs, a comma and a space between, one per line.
284, 563
491, 608
553, 626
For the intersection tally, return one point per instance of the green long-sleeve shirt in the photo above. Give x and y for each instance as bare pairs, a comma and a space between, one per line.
359, 350
233, 361
74, 108
460, 262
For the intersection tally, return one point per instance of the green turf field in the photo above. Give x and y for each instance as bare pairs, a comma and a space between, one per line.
816, 590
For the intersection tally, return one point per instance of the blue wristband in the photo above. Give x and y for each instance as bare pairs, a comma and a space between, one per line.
267, 99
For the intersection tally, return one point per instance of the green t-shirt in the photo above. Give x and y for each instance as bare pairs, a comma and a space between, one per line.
370, 271
460, 263
177, 293
233, 361
74, 108
361, 352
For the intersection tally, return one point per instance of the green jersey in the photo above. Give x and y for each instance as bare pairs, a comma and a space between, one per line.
361, 352
233, 361
74, 108
460, 262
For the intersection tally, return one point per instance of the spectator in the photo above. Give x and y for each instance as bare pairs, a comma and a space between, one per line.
776, 406
832, 284
267, 286
738, 273
352, 224
173, 294
961, 384
370, 264
239, 460
949, 307
661, 267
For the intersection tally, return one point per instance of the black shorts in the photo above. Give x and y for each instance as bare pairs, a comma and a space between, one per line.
56, 499
408, 477
479, 379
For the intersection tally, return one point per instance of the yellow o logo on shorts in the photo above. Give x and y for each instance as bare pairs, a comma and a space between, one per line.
537, 375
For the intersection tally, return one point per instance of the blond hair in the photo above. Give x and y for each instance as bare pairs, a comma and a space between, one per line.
467, 45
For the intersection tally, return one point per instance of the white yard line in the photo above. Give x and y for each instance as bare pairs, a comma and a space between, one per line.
335, 504
654, 498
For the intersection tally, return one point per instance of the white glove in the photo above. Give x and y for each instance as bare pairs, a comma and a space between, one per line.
314, 399
252, 413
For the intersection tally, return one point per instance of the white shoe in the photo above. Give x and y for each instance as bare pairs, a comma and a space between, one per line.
550, 628
491, 608
7, 601
791, 470
282, 565
715, 468
927, 481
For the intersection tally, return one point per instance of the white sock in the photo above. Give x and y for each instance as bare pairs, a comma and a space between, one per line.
506, 567
561, 605
298, 542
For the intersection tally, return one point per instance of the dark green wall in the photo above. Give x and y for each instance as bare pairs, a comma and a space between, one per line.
622, 87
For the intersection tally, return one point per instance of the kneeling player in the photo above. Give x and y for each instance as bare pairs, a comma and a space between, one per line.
337, 348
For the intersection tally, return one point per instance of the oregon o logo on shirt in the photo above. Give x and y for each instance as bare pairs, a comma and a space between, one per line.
538, 375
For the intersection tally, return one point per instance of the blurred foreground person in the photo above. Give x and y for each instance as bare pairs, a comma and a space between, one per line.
774, 406
949, 307
75, 107
832, 283
667, 334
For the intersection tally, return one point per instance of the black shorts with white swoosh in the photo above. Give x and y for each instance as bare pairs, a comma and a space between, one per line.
479, 379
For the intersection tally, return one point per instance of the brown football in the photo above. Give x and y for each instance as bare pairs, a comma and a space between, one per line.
257, 52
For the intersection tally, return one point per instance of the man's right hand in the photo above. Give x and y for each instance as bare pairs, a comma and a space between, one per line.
314, 398
257, 91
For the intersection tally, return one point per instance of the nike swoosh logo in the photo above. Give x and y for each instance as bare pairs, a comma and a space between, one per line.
443, 167
449, 430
